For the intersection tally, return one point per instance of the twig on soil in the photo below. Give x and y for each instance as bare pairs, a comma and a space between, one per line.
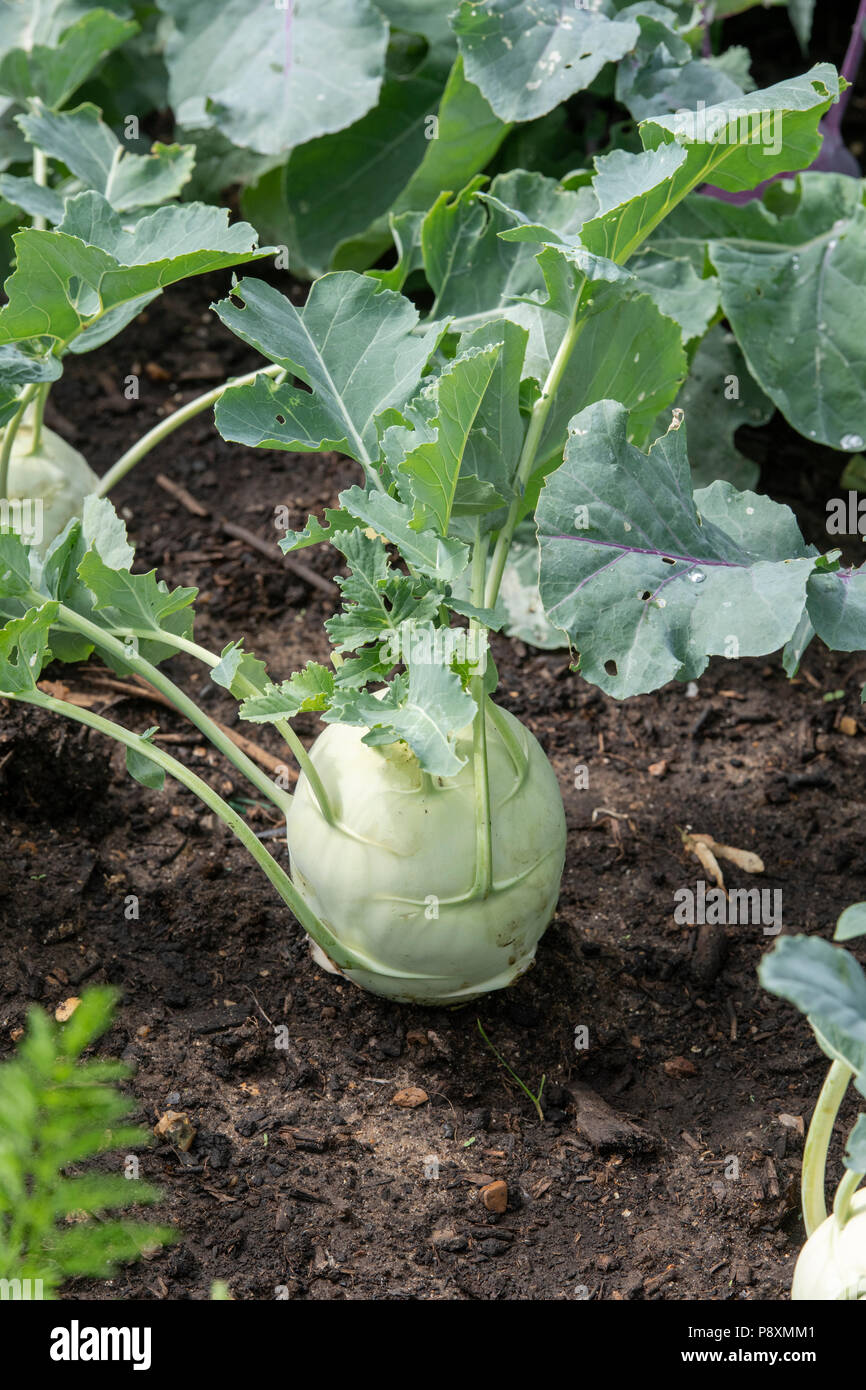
297, 567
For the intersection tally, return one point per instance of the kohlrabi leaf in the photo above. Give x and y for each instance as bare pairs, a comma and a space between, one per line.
649, 583
492, 451
735, 145
19, 369
15, 569
795, 300
52, 69
92, 152
24, 649
352, 343
305, 691
330, 202
236, 670
142, 768
677, 291
376, 599
68, 281
837, 608
852, 923
314, 533
527, 56
855, 1146
36, 199
661, 73
339, 185
427, 710
272, 77
426, 17
471, 270
425, 454
718, 395
137, 605
437, 557
824, 982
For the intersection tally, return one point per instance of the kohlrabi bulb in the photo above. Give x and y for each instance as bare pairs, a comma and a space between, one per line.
388, 879
832, 1263
56, 475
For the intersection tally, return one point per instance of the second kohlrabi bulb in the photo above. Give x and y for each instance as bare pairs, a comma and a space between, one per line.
832, 1263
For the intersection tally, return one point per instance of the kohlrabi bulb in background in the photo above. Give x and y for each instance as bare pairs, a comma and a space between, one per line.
56, 474
832, 1263
388, 880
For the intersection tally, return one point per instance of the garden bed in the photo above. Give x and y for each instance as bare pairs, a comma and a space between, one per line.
305, 1177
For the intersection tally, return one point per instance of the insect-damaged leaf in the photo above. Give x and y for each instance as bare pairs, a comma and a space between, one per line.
352, 343
649, 583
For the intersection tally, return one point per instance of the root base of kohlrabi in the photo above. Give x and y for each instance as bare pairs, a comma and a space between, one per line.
56, 474
832, 1263
387, 888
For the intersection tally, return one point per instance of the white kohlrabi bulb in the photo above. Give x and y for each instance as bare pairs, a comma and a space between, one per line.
386, 879
832, 1263
56, 475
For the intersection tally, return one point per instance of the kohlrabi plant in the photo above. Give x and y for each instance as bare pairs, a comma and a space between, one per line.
58, 1111
828, 985
107, 236
426, 835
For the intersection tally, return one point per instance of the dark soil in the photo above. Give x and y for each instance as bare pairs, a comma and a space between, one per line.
668, 1160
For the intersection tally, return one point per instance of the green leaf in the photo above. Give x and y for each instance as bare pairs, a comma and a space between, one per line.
427, 712
24, 649
527, 56
428, 553
271, 78
718, 395
431, 129
71, 279
851, 923
33, 198
471, 270
377, 599
679, 292
824, 982
314, 533
426, 17
308, 690
91, 151
661, 74
89, 1021
138, 602
15, 567
855, 1146
17, 369
143, 768
53, 72
237, 669
426, 454
734, 144
794, 301
649, 584
354, 346
837, 608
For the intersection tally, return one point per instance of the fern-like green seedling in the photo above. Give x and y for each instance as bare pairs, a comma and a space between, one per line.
57, 1111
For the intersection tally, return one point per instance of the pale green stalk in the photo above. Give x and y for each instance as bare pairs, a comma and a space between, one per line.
9, 434
172, 422
483, 822
844, 1193
304, 761
813, 1176
101, 639
347, 960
